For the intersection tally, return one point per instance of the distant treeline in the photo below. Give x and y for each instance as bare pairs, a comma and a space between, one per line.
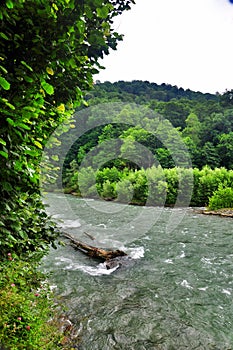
144, 91
154, 186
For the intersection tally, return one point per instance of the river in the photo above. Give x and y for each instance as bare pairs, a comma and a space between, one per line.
175, 293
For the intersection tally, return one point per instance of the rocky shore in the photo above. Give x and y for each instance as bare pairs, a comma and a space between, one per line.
227, 212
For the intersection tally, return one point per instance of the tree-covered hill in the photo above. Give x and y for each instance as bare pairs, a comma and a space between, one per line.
142, 136
203, 121
147, 91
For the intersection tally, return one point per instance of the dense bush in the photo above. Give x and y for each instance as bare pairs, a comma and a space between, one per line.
154, 186
222, 198
25, 308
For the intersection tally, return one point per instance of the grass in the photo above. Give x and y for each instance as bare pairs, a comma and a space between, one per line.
27, 309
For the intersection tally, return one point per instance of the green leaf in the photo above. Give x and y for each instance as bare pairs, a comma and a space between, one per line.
4, 154
4, 36
28, 79
23, 235
2, 142
10, 4
18, 165
102, 12
4, 83
8, 104
55, 6
10, 121
48, 88
55, 158
32, 153
3, 69
12, 238
38, 144
72, 63
26, 65
23, 126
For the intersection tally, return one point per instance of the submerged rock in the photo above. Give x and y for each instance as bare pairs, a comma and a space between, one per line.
119, 261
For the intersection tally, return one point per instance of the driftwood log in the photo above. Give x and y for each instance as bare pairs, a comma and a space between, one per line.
94, 252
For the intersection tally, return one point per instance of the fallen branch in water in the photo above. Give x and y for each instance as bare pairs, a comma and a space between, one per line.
90, 236
94, 252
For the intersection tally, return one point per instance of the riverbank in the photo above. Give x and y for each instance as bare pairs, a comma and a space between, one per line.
226, 212
30, 315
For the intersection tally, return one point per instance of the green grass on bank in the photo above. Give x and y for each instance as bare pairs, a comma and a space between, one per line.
27, 309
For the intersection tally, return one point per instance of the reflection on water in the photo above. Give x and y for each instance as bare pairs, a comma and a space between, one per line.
175, 294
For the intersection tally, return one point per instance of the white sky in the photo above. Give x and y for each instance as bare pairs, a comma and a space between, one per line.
188, 43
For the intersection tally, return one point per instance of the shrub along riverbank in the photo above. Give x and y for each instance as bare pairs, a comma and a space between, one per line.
29, 317
155, 186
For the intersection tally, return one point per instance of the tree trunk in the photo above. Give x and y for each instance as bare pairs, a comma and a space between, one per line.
94, 252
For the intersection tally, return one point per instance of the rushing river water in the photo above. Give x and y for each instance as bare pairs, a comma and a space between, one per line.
175, 293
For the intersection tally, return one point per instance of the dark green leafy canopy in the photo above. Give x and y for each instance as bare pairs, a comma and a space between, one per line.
49, 51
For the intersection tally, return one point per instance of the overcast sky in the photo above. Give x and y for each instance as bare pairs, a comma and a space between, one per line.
188, 43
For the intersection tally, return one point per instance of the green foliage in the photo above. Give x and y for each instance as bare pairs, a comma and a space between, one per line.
124, 189
225, 148
222, 198
109, 190
226, 99
25, 308
209, 181
86, 182
111, 174
204, 123
25, 227
157, 185
146, 91
172, 180
153, 186
140, 186
193, 128
49, 53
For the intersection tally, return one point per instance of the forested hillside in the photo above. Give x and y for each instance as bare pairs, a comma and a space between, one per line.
146, 91
176, 128
204, 121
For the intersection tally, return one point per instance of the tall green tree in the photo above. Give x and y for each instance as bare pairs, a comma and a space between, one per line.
49, 51
193, 128
225, 148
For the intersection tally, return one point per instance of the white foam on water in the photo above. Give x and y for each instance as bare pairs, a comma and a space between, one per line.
206, 261
62, 259
203, 288
185, 284
135, 253
101, 225
98, 270
169, 261
147, 238
226, 291
91, 270
182, 255
69, 224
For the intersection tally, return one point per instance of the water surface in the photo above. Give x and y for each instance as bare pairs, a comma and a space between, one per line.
176, 293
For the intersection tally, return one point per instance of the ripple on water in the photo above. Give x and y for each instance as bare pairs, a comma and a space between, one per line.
163, 301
